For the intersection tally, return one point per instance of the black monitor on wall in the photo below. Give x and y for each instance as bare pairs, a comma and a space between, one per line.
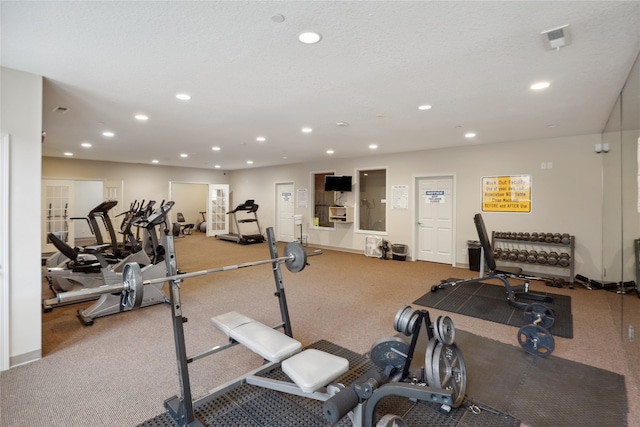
337, 183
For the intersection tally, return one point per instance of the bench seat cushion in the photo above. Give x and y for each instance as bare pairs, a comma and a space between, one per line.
313, 369
272, 345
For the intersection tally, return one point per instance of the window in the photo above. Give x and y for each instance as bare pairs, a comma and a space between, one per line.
372, 200
321, 201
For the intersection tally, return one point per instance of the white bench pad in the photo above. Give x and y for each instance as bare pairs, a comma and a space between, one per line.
272, 345
313, 369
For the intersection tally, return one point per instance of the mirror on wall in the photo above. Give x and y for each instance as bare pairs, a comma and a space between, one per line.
630, 207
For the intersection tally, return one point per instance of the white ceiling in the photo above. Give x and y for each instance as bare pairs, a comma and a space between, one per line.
377, 62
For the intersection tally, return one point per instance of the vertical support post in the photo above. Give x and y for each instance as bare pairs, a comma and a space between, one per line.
423, 317
277, 277
181, 408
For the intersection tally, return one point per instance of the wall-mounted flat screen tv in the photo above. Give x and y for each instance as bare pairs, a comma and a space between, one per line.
337, 183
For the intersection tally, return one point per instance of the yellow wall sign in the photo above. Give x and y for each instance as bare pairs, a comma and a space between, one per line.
506, 193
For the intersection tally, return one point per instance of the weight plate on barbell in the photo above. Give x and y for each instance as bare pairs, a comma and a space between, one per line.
536, 340
449, 371
133, 286
390, 351
402, 321
535, 311
447, 330
298, 260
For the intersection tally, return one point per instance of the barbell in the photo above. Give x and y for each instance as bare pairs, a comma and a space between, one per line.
132, 286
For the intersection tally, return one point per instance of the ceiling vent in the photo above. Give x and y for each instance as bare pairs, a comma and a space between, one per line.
60, 110
557, 37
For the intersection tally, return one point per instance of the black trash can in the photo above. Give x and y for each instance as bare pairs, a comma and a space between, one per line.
475, 249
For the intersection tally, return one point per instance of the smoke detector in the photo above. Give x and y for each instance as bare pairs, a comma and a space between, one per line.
556, 38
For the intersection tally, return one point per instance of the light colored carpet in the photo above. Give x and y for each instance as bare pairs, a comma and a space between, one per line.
120, 370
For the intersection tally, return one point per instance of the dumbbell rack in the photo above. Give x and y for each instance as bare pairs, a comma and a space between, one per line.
521, 244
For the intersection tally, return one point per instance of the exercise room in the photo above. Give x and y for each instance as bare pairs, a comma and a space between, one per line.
310, 213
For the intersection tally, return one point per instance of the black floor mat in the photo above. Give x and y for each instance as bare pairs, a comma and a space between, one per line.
541, 391
488, 302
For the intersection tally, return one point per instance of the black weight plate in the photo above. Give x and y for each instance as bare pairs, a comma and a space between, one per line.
536, 340
390, 351
537, 311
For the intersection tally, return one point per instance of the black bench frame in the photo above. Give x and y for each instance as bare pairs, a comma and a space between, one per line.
514, 293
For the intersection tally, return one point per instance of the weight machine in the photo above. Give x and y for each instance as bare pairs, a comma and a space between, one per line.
535, 337
312, 373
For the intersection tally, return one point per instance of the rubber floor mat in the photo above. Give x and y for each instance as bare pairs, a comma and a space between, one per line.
488, 302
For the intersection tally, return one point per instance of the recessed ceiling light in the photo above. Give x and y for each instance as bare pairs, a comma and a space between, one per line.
215, 148
307, 130
277, 18
540, 85
249, 162
330, 151
261, 139
68, 154
341, 124
108, 134
86, 144
424, 107
141, 117
553, 125
184, 155
155, 161
217, 166
469, 135
285, 157
183, 97
309, 38
373, 146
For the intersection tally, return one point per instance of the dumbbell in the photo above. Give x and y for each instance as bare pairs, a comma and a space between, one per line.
522, 255
565, 239
542, 257
534, 237
564, 259
532, 257
552, 258
548, 238
520, 236
542, 237
513, 255
557, 238
526, 236
496, 253
504, 254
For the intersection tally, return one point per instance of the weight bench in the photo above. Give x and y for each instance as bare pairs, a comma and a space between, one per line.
311, 370
514, 293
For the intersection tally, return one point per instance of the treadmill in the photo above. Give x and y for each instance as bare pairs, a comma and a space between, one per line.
247, 210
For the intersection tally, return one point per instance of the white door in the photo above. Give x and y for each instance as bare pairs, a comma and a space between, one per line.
435, 219
57, 210
217, 208
285, 228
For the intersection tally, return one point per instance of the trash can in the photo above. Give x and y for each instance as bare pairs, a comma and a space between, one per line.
475, 248
399, 252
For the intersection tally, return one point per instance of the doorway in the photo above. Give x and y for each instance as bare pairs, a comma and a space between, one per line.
435, 212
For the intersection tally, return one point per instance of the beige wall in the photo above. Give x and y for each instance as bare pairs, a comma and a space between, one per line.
140, 182
21, 119
190, 199
566, 198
